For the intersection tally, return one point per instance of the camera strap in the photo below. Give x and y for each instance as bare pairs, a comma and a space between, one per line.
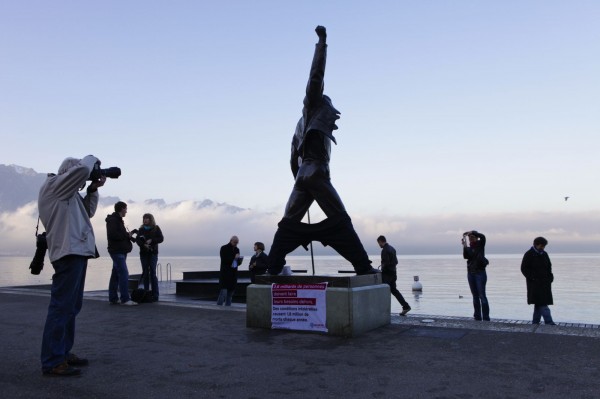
37, 226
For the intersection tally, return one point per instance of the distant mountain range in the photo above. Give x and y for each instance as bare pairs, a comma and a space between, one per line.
20, 185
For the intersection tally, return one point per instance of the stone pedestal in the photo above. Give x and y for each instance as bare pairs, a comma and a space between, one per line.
355, 304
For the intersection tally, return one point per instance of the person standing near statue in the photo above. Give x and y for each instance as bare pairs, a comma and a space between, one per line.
537, 269
230, 260
309, 161
258, 262
474, 253
389, 260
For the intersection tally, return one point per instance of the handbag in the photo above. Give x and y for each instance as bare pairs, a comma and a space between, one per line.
140, 295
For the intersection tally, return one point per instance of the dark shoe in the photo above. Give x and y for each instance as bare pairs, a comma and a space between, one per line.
405, 311
368, 271
62, 370
114, 302
549, 323
74, 360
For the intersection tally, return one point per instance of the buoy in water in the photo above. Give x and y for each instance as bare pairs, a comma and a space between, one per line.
417, 286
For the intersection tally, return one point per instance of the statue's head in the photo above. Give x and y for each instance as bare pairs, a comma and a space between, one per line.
327, 99
332, 115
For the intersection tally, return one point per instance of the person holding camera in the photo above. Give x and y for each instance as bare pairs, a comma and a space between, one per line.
149, 235
119, 245
474, 253
66, 215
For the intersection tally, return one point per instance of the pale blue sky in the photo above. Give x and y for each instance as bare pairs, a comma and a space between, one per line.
448, 107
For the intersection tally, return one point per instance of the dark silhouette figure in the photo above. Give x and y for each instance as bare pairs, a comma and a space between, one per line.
389, 261
537, 269
311, 150
474, 253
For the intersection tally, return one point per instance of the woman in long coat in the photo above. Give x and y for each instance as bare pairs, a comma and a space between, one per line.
537, 269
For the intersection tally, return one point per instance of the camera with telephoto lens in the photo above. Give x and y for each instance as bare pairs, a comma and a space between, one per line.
41, 245
112, 172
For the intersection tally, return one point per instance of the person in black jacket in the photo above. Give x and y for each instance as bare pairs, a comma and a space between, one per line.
119, 245
258, 262
474, 253
537, 269
230, 260
149, 235
388, 272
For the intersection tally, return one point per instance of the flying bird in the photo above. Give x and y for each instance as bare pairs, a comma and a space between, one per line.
566, 198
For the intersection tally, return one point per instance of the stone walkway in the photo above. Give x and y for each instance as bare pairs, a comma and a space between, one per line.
190, 349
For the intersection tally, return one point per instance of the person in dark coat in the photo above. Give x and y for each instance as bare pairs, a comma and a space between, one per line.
230, 260
537, 269
149, 235
474, 253
119, 245
258, 262
389, 260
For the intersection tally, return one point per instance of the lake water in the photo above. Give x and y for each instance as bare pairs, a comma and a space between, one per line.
445, 292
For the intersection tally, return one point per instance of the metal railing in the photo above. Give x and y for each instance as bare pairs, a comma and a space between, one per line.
168, 275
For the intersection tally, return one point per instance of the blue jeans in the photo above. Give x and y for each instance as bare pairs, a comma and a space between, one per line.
540, 311
477, 283
66, 299
119, 279
226, 296
149, 261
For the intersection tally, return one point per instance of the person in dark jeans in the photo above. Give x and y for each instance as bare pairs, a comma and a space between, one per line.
537, 269
119, 245
388, 272
71, 242
474, 253
149, 235
230, 260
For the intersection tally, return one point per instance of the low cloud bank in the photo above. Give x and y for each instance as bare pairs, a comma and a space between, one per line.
191, 230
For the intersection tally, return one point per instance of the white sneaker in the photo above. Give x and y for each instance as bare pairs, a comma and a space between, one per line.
129, 303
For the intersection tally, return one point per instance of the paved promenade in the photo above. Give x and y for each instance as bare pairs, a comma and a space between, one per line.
193, 349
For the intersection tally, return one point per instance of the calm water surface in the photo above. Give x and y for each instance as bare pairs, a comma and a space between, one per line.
444, 279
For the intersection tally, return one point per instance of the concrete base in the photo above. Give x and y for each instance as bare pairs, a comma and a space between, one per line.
352, 307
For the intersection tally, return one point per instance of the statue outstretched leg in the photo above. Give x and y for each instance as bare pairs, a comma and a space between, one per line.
337, 232
286, 240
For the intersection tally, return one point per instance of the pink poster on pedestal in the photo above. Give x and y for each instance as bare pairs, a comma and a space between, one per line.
299, 307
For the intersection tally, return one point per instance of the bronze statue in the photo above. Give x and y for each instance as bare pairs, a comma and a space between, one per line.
311, 150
